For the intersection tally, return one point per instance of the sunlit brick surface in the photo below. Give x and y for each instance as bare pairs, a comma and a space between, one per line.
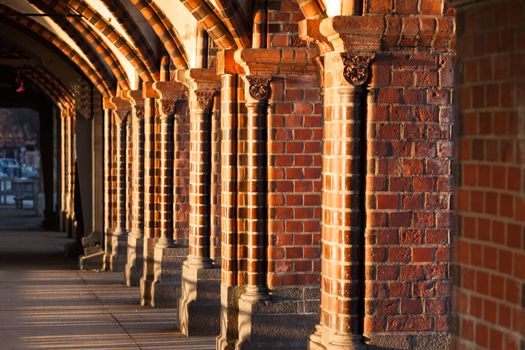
490, 249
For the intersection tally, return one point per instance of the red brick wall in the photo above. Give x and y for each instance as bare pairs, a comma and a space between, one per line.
409, 193
294, 180
489, 249
409, 216
283, 18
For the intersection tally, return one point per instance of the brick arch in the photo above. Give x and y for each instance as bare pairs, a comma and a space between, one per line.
312, 9
164, 30
209, 20
49, 85
138, 56
229, 12
103, 84
121, 14
81, 33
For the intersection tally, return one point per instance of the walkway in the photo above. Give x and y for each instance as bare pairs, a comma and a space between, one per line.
46, 303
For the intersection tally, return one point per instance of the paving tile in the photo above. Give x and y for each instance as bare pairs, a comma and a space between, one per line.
46, 303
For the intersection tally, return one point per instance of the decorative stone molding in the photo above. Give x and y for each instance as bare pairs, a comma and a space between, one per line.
356, 68
259, 86
205, 98
167, 107
139, 111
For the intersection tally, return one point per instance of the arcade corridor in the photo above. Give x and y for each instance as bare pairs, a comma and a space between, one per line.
47, 303
269, 174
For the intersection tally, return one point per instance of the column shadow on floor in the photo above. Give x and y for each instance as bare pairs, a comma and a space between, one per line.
47, 303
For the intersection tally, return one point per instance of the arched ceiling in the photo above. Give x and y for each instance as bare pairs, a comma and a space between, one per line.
116, 44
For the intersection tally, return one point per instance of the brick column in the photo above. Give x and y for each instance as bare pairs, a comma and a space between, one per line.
119, 235
251, 317
68, 173
342, 206
71, 132
199, 307
63, 167
134, 265
149, 239
256, 94
94, 253
108, 186
392, 287
348, 44
229, 266
166, 110
165, 289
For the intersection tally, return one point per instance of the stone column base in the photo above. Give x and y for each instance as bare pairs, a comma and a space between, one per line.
146, 280
200, 304
273, 324
134, 264
327, 339
229, 321
107, 250
119, 252
166, 286
441, 341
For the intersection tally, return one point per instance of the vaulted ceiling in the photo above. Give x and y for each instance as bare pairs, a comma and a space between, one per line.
116, 44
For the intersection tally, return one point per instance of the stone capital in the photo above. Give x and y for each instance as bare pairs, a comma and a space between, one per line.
257, 86
137, 102
166, 106
122, 108
205, 98
356, 68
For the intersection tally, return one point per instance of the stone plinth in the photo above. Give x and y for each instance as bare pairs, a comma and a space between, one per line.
200, 304
148, 245
278, 323
134, 264
116, 261
166, 285
229, 317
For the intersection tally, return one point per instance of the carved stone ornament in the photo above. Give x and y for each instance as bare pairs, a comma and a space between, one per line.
356, 69
205, 98
139, 111
259, 86
167, 107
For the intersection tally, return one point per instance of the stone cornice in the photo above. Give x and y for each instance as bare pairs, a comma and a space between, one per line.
135, 97
276, 61
354, 34
170, 90
370, 34
202, 79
